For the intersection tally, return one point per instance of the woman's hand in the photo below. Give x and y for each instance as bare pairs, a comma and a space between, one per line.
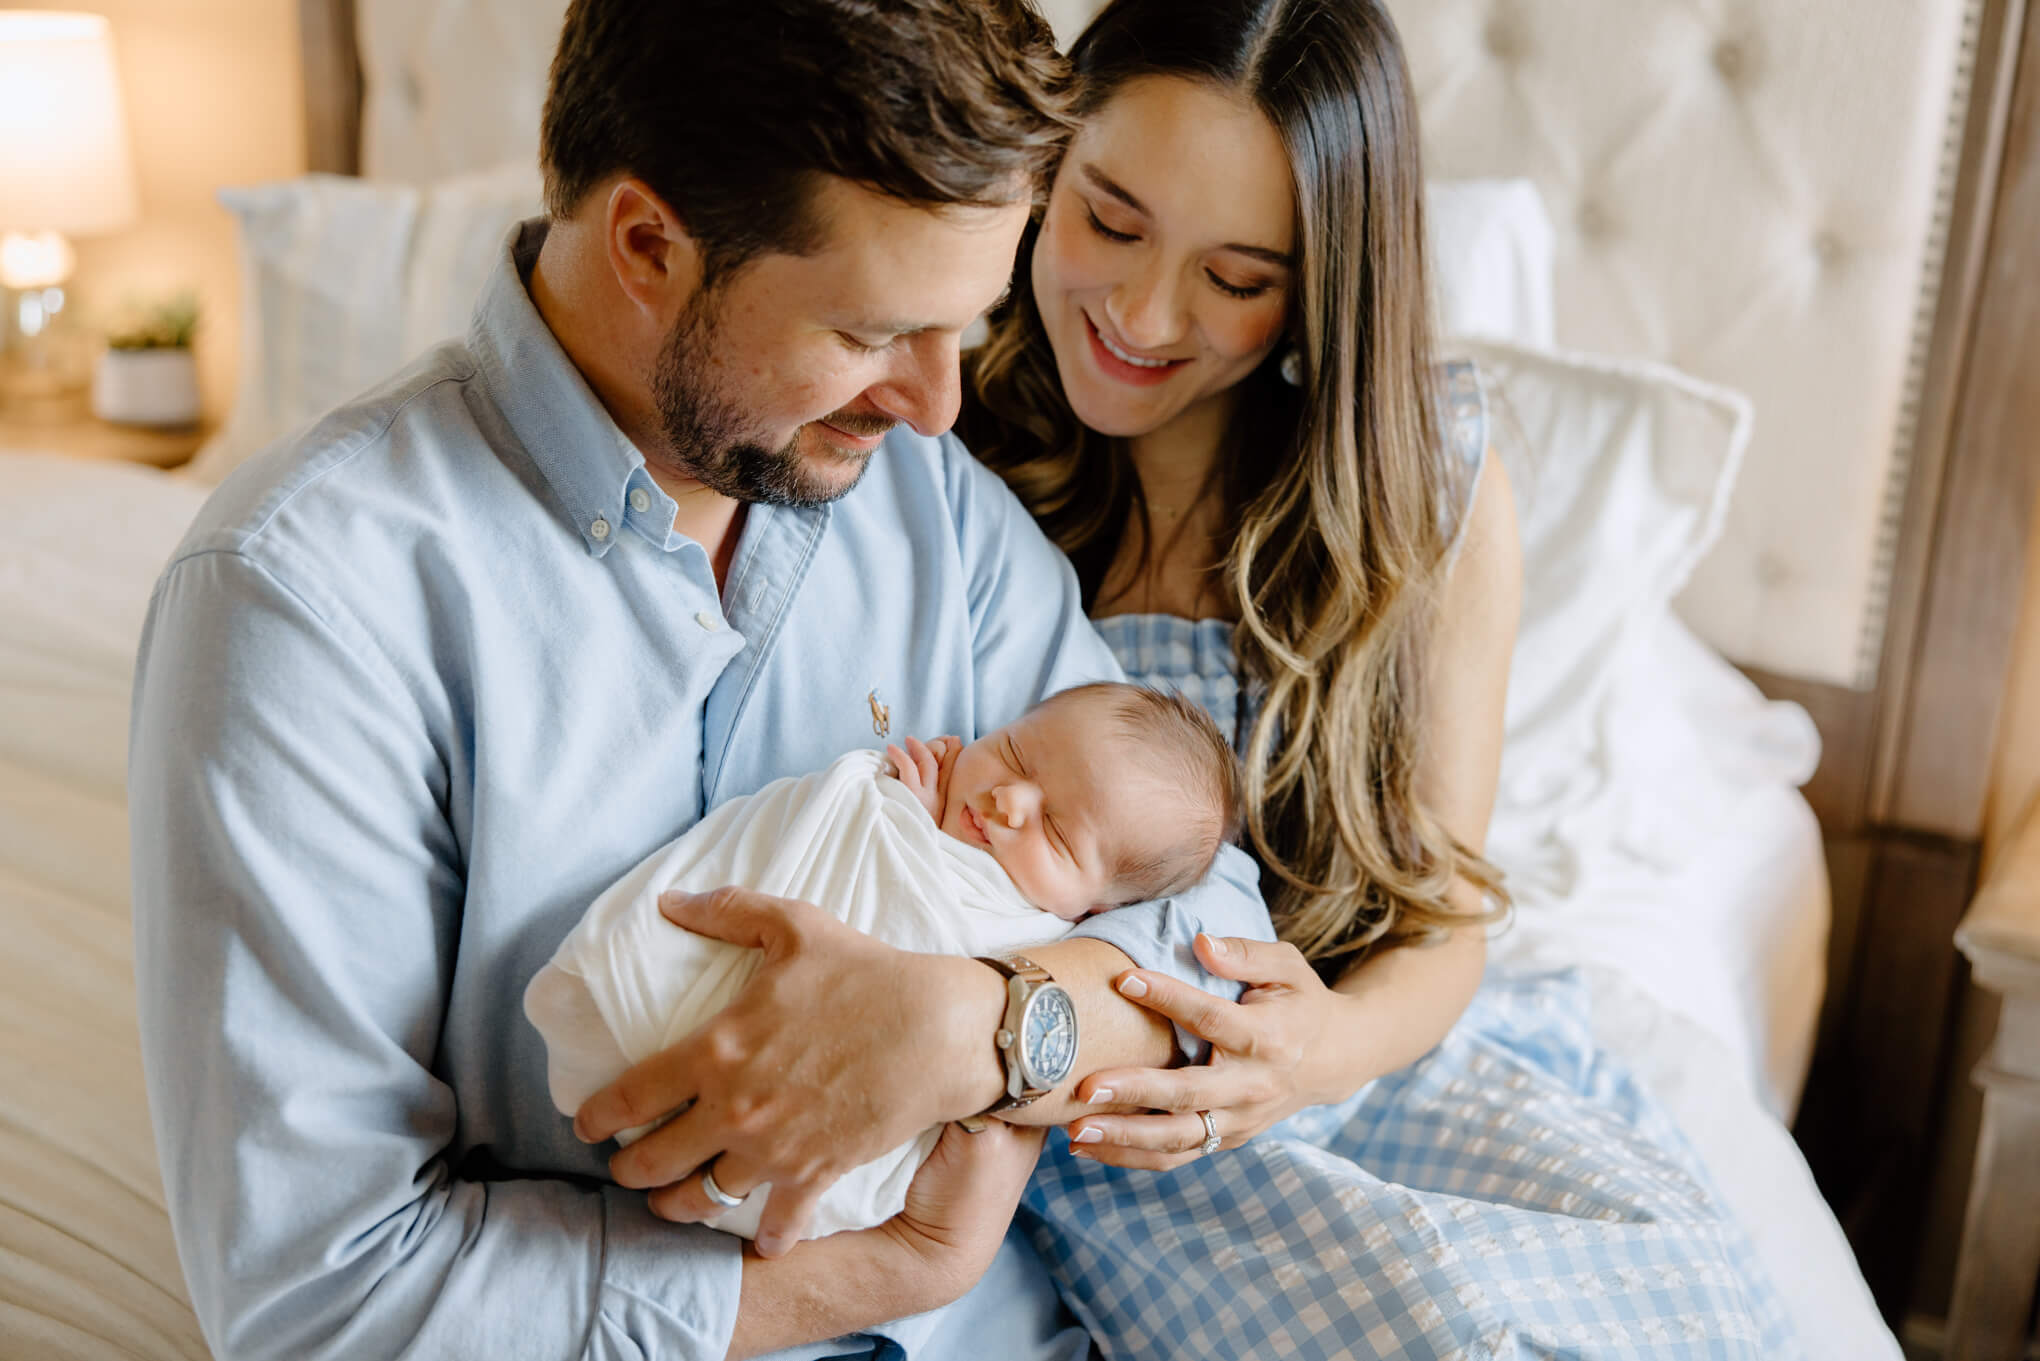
1283, 1046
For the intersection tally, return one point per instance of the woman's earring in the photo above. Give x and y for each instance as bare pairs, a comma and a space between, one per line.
1292, 367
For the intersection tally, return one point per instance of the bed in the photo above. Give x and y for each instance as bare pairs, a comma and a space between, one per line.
1650, 816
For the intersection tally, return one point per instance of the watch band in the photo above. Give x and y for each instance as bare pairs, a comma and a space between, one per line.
1023, 978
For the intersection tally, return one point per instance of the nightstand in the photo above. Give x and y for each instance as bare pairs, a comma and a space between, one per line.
74, 431
1999, 1268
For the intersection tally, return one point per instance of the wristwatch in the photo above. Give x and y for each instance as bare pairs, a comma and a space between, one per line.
1037, 1037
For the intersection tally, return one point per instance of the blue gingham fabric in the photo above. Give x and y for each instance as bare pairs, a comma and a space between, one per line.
1513, 1194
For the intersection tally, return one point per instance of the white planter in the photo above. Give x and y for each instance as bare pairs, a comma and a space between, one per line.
146, 387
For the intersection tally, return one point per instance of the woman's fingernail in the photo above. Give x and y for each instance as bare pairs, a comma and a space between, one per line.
1088, 1136
1133, 986
1101, 1096
1218, 945
770, 1246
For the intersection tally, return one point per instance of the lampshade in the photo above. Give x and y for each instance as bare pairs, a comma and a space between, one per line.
64, 163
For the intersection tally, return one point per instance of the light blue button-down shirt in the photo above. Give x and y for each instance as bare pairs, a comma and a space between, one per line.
413, 691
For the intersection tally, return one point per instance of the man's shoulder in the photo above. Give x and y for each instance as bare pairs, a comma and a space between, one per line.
925, 474
374, 465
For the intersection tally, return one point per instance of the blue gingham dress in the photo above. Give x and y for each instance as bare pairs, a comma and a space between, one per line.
1513, 1194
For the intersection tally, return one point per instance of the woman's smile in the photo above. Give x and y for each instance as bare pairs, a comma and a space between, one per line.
1124, 365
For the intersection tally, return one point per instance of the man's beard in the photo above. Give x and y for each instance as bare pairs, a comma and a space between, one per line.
707, 435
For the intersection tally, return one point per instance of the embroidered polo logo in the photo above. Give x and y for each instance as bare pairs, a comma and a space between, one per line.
881, 715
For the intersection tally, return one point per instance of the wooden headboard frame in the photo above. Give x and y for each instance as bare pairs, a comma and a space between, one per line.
1903, 783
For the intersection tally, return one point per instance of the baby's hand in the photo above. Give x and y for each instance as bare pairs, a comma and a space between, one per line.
924, 767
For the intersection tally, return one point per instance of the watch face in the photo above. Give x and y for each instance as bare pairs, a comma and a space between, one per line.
1048, 1046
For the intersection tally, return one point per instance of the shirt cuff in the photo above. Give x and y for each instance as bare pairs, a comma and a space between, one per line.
668, 1290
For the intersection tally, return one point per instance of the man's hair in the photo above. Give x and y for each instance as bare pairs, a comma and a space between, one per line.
1170, 743
730, 110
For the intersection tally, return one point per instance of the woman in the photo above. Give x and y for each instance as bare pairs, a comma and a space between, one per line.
1214, 385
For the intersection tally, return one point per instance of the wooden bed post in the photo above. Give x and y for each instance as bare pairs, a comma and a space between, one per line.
1905, 866
1999, 1266
332, 78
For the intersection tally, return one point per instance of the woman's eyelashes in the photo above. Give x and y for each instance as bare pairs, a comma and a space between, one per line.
1098, 226
1235, 290
1223, 285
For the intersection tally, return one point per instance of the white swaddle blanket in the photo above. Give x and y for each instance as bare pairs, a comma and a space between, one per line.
626, 983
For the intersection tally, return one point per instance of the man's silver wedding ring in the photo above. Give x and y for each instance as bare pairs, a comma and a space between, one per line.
720, 1196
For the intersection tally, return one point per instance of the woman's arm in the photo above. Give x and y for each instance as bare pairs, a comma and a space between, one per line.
1403, 1001
1291, 1042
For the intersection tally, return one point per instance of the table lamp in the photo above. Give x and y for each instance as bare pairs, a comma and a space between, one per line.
64, 169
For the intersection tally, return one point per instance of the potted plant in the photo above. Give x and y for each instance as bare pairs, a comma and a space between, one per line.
147, 376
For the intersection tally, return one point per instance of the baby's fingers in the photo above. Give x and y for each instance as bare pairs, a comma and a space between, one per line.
924, 760
902, 766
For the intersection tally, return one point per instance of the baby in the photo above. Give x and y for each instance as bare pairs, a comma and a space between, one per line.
1098, 796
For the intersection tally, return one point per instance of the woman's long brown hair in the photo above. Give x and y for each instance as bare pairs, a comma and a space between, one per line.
1338, 499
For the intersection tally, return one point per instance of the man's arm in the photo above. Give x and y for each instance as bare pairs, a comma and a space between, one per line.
298, 894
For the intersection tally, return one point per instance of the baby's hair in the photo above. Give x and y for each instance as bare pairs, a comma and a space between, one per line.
1175, 744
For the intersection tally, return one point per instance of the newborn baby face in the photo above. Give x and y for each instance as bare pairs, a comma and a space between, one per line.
1035, 795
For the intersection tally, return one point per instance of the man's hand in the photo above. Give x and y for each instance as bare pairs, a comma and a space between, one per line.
962, 1201
930, 1254
839, 1049
923, 767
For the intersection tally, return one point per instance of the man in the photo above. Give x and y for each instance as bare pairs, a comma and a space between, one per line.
419, 685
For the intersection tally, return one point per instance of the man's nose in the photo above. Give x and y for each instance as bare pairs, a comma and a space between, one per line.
1144, 309
924, 388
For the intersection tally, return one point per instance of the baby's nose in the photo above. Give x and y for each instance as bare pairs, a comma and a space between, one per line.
1015, 804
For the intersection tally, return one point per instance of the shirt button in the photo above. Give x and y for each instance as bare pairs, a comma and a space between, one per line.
640, 500
707, 620
600, 529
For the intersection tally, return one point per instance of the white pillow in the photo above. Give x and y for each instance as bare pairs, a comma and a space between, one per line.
1491, 256
1622, 472
346, 280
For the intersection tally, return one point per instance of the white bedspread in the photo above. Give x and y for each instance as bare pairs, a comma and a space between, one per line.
88, 1270
627, 984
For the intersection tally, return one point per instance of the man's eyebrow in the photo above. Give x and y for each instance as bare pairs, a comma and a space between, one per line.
1107, 185
892, 328
901, 327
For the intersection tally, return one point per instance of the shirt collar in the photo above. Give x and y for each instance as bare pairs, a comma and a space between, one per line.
590, 465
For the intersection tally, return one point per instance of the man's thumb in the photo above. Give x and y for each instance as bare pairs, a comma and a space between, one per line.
736, 915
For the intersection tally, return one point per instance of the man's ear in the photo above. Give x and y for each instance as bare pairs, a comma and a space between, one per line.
656, 263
